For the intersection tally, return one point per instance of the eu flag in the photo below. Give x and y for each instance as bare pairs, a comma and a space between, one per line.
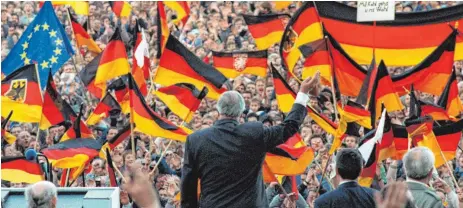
44, 42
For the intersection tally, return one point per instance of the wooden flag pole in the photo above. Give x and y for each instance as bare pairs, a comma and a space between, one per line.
324, 172
119, 172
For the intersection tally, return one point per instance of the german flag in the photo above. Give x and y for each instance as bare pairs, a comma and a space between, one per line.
88, 74
78, 130
141, 61
267, 174
304, 27
436, 112
284, 94
149, 122
79, 7
178, 65
370, 158
448, 137
267, 29
7, 136
163, 29
405, 41
74, 173
82, 37
400, 141
317, 58
386, 148
181, 8
290, 158
55, 109
183, 99
233, 64
121, 92
113, 61
72, 153
102, 110
449, 98
110, 169
432, 73
121, 8
382, 92
354, 112
123, 134
20, 170
21, 93
349, 74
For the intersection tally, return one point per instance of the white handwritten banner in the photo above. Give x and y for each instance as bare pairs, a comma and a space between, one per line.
375, 11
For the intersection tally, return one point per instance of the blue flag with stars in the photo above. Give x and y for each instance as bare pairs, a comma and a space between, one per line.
44, 42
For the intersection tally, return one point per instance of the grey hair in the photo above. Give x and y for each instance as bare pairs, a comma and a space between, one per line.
418, 162
41, 194
231, 104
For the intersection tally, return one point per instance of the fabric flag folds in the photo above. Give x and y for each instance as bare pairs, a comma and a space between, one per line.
181, 8
72, 153
233, 64
121, 8
82, 37
103, 109
111, 170
163, 29
55, 109
405, 41
21, 93
183, 99
78, 130
304, 27
449, 98
317, 57
21, 170
431, 74
267, 29
141, 61
178, 65
44, 42
149, 122
7, 136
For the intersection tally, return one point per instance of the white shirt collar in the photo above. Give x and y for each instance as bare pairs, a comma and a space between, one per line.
346, 181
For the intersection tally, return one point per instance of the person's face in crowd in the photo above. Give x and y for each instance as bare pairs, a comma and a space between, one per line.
119, 149
240, 88
173, 118
316, 143
124, 196
206, 123
274, 105
10, 8
316, 129
254, 107
129, 159
14, 19
88, 57
111, 133
311, 197
313, 102
10, 151
260, 86
4, 44
247, 98
23, 139
306, 132
398, 7
97, 167
118, 161
251, 87
294, 85
17, 185
214, 114
351, 142
203, 105
252, 118
269, 91
10, 31
96, 25
407, 9
16, 130
34, 145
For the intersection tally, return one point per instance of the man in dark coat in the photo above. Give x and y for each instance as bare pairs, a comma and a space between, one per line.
349, 164
227, 157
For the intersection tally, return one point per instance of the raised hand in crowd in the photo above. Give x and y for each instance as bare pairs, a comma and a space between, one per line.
395, 196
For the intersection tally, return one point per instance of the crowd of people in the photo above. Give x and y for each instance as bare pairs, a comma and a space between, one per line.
212, 26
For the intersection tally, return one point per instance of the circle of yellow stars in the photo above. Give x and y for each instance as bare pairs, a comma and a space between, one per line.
45, 64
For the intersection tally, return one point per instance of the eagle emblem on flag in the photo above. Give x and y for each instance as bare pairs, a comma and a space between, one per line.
239, 61
17, 90
290, 39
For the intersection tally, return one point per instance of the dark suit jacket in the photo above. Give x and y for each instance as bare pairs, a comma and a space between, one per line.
349, 194
228, 157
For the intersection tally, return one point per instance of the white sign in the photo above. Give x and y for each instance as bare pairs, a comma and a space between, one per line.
375, 11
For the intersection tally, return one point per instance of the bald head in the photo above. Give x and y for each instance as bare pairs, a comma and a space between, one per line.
42, 194
231, 104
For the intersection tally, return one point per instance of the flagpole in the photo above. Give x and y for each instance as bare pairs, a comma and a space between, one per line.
324, 172
447, 164
67, 177
41, 96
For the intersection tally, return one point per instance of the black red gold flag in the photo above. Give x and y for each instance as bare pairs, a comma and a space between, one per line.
267, 29
233, 64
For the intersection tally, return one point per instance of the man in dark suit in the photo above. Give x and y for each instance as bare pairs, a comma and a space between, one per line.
228, 157
349, 165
